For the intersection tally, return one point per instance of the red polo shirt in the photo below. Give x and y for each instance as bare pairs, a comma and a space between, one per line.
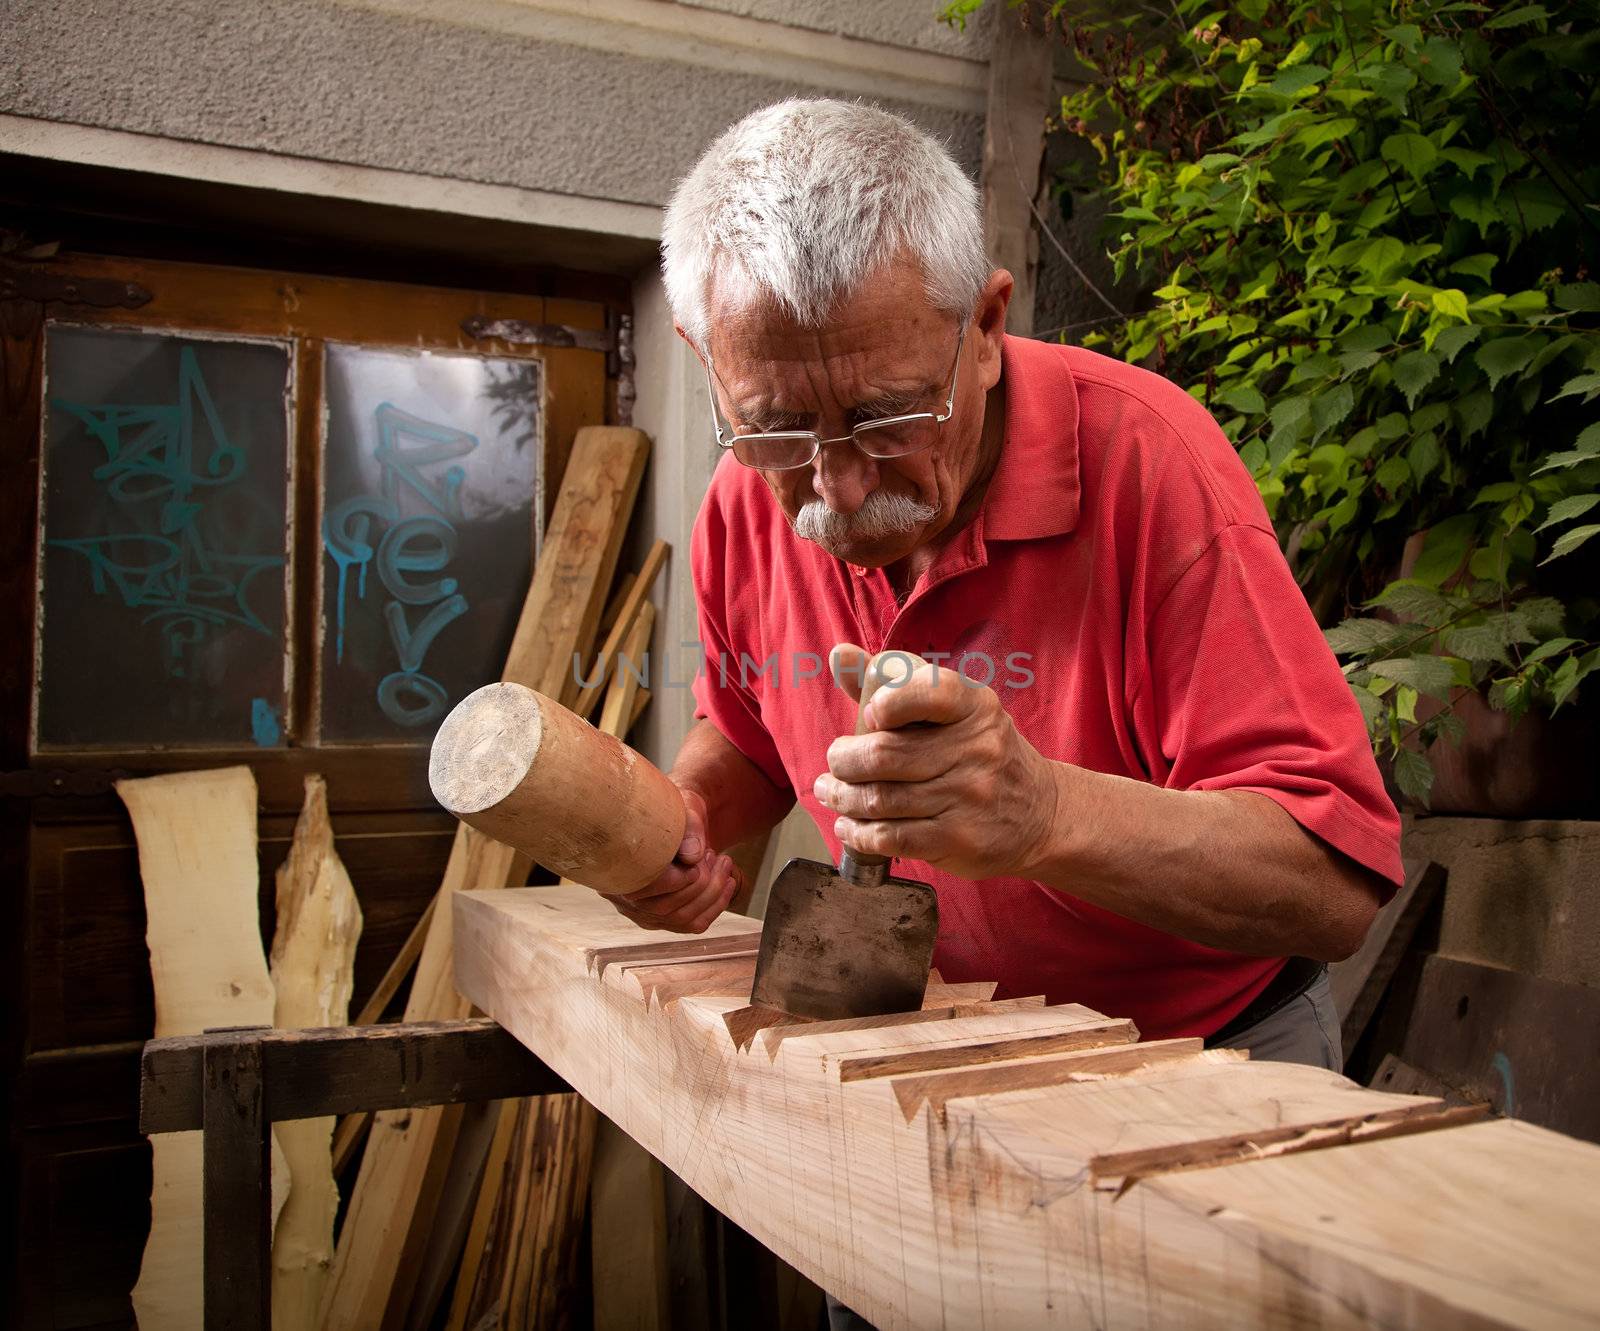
1124, 581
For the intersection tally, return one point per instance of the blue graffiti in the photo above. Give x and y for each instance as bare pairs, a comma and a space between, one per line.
418, 544
264, 727
188, 587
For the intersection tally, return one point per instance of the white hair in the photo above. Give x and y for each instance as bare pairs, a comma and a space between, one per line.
804, 199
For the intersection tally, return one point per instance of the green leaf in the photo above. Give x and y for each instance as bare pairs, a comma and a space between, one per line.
1452, 302
1328, 409
1380, 256
1564, 510
1570, 540
1244, 398
1586, 384
1415, 371
1296, 79
1394, 473
1545, 650
1474, 412
1414, 152
1423, 456
1444, 548
1505, 355
1469, 162
1521, 14
1441, 62
1414, 775
1450, 340
1406, 35
1584, 296
1416, 601
1360, 636
1372, 709
1326, 131
1432, 675
1479, 642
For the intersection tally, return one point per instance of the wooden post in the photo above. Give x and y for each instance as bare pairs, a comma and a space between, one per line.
1013, 151
238, 1186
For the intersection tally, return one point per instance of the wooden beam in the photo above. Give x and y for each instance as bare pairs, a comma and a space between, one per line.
390, 1210
1189, 1190
313, 1073
1013, 154
238, 1185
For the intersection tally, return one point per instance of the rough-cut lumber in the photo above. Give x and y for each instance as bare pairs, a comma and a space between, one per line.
619, 630
196, 833
1181, 1190
529, 1213
312, 967
391, 1208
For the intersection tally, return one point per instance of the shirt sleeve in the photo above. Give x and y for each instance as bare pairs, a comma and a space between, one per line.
1246, 695
720, 693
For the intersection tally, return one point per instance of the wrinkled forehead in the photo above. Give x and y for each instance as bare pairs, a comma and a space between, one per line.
885, 339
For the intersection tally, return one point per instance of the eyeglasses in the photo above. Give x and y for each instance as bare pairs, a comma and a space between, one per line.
882, 439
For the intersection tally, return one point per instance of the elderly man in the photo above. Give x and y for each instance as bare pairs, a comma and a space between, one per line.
1149, 789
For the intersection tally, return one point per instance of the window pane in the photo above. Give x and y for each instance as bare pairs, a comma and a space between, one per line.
430, 477
165, 510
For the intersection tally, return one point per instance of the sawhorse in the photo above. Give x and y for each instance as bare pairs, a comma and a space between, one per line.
233, 1084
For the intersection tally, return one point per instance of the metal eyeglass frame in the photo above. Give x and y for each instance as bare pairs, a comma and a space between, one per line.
817, 441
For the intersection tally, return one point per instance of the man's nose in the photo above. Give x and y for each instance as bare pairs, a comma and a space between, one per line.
843, 476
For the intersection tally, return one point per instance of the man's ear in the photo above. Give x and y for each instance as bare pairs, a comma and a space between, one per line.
989, 323
678, 329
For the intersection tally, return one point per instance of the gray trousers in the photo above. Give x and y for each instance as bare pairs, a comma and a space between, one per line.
1303, 1030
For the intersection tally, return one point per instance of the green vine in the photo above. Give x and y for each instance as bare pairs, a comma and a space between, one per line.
1370, 228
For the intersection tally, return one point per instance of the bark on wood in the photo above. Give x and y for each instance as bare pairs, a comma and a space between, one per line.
313, 960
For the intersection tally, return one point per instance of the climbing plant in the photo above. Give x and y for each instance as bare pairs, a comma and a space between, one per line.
1370, 232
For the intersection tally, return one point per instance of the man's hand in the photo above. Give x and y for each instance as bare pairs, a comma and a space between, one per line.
966, 793
691, 891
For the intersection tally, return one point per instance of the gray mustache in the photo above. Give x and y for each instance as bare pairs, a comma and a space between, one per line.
881, 515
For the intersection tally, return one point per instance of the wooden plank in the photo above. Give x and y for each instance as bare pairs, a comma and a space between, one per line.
197, 856
1529, 1047
619, 638
352, 1129
1359, 982
312, 967
313, 1073
1137, 1195
238, 1188
483, 1216
1395, 1074
389, 1213
629, 1257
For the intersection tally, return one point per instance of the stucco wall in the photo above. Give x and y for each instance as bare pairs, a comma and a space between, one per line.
915, 24
374, 88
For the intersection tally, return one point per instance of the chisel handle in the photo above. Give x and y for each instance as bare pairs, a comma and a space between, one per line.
886, 669
525, 770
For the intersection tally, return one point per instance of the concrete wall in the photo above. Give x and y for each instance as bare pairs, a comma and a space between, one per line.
1521, 895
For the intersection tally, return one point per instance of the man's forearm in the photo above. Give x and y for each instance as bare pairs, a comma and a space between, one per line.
741, 801
1230, 869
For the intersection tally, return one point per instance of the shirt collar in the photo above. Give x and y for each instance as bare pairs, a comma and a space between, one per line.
1035, 489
